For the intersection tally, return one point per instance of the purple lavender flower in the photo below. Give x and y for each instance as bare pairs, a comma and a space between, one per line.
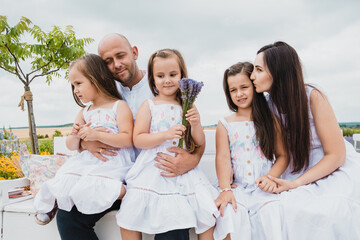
184, 85
189, 90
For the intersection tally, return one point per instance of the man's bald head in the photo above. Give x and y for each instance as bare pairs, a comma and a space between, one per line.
112, 38
120, 58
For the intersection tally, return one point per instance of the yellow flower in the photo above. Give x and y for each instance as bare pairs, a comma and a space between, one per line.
10, 168
45, 153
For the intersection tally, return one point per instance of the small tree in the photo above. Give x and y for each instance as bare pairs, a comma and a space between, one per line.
51, 52
57, 134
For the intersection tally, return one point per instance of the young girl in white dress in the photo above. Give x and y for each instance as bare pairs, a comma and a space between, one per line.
88, 183
153, 203
248, 149
319, 192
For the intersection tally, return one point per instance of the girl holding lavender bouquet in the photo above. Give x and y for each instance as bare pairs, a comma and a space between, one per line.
155, 204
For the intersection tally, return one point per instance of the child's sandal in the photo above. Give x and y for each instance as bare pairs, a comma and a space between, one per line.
45, 218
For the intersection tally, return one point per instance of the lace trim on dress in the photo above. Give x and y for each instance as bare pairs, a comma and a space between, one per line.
153, 191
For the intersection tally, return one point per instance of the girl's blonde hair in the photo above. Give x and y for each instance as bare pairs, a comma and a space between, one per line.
95, 70
167, 53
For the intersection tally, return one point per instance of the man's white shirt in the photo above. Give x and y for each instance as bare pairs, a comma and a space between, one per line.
135, 97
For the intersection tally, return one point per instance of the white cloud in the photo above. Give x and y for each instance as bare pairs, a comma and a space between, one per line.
211, 35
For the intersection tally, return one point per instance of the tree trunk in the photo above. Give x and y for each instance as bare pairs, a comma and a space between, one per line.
32, 126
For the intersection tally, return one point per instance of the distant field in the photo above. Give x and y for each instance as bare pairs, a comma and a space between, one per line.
23, 133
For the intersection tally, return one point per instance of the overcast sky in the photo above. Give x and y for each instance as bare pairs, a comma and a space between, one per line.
211, 35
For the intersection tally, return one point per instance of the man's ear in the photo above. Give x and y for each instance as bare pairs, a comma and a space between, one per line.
135, 52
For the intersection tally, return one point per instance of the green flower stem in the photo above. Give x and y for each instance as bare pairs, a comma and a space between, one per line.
186, 107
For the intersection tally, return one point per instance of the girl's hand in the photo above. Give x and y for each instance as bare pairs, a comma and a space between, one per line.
193, 116
176, 131
75, 129
266, 185
88, 134
283, 185
223, 199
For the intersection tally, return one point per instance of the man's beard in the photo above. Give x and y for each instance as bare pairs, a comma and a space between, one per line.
125, 81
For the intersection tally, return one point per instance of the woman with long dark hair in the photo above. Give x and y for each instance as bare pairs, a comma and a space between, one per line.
319, 192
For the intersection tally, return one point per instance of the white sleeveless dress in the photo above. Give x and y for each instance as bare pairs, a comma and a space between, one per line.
85, 181
326, 209
248, 163
156, 204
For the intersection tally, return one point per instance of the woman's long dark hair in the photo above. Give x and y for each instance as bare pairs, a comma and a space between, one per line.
167, 53
261, 114
288, 93
95, 70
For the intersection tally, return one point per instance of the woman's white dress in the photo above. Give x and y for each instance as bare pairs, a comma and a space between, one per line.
326, 209
85, 181
248, 163
156, 204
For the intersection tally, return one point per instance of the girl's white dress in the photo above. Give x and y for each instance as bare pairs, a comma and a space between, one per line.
326, 209
85, 181
155, 204
248, 163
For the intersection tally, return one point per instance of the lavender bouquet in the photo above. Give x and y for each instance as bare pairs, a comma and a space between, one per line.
189, 89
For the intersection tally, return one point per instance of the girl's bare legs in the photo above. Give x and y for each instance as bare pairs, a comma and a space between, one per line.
227, 237
122, 192
130, 235
207, 235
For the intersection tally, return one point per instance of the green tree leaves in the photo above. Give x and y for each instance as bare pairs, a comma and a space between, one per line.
50, 51
46, 52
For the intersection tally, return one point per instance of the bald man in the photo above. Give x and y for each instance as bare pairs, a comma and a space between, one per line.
132, 84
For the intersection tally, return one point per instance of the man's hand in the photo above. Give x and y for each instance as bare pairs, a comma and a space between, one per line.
181, 163
98, 149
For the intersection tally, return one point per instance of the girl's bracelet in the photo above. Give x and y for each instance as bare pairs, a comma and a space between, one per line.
225, 190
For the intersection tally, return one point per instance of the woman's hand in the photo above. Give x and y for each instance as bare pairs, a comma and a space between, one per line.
223, 199
265, 184
193, 116
283, 185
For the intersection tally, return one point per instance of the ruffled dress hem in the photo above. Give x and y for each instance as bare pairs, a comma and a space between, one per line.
174, 211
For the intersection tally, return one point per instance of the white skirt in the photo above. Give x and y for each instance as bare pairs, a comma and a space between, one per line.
240, 224
88, 183
155, 204
326, 209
